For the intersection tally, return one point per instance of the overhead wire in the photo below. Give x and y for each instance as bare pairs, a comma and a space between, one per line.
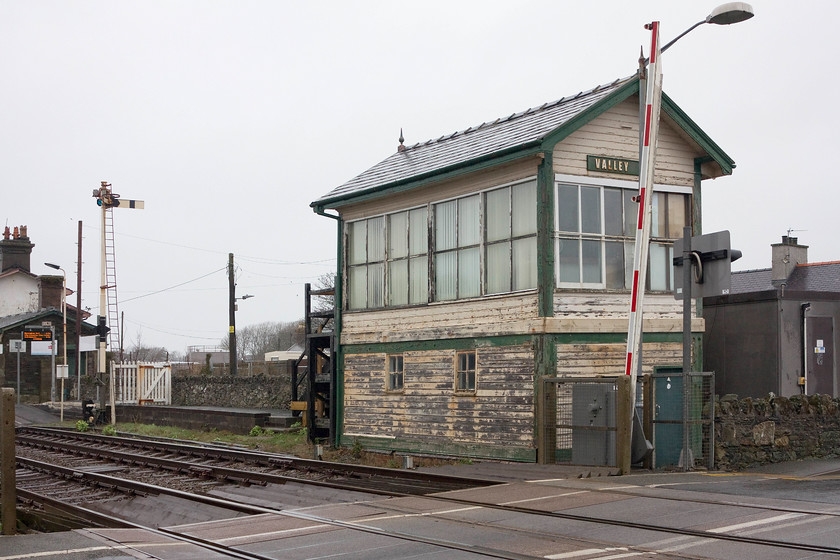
257, 260
173, 287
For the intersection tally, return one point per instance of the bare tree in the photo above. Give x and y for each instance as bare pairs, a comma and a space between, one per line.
139, 352
253, 341
325, 281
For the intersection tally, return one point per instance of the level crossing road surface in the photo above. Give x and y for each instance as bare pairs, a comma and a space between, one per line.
794, 502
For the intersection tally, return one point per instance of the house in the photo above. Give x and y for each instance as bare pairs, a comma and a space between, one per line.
774, 332
30, 302
292, 353
476, 266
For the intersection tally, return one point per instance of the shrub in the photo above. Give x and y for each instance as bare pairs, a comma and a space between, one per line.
82, 426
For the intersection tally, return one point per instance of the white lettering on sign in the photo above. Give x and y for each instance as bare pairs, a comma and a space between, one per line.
612, 165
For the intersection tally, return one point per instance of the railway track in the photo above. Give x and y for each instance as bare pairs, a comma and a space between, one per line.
232, 465
192, 470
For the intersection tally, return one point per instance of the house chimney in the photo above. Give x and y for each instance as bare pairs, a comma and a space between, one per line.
15, 249
786, 255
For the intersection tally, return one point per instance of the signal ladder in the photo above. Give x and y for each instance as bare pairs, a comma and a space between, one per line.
111, 285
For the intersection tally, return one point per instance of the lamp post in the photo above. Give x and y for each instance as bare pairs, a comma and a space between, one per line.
65, 369
651, 87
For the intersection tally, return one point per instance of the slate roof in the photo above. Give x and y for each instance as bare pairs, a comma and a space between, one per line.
518, 130
21, 319
749, 281
815, 277
812, 277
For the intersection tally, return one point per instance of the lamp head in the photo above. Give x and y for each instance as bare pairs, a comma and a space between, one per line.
51, 265
732, 12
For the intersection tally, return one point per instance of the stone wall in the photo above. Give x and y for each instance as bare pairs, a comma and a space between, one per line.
752, 432
258, 391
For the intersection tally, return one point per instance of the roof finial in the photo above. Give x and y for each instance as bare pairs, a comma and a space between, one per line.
642, 62
401, 147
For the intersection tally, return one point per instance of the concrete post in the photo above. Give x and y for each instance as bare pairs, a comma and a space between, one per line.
8, 495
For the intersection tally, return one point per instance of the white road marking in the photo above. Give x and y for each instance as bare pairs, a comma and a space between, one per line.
737, 526
544, 498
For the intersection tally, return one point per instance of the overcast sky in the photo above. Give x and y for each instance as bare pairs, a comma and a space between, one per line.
229, 117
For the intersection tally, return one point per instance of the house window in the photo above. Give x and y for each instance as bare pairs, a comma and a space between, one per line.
511, 238
596, 232
396, 375
465, 372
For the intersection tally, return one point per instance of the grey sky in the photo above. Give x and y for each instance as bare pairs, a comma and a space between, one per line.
228, 118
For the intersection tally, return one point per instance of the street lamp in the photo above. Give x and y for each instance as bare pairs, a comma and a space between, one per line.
65, 369
725, 14
651, 77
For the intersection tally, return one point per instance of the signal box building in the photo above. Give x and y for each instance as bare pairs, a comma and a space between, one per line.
474, 265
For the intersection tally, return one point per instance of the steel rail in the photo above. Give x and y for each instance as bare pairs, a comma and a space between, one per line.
109, 521
265, 459
238, 475
565, 516
151, 489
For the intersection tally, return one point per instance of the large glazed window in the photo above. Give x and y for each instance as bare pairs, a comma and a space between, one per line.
483, 243
408, 265
365, 263
595, 236
457, 251
511, 238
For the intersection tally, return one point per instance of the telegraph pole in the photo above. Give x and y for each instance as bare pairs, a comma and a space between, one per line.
232, 309
79, 318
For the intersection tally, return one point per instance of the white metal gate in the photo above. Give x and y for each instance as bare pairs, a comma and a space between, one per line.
142, 383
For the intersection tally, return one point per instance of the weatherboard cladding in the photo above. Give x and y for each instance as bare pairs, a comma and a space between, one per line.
515, 131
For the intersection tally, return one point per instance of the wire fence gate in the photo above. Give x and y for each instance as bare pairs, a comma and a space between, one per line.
586, 420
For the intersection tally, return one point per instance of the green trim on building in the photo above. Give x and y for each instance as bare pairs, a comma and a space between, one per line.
338, 306
495, 341
503, 451
612, 338
440, 344
727, 164
545, 239
529, 149
585, 117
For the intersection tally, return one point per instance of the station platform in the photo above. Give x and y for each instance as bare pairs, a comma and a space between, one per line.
236, 420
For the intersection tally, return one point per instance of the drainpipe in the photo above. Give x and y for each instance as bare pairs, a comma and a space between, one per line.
803, 309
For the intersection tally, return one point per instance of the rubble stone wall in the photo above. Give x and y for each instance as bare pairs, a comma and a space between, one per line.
751, 432
258, 391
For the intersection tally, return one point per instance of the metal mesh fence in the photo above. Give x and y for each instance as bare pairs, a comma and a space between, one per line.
665, 419
580, 420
